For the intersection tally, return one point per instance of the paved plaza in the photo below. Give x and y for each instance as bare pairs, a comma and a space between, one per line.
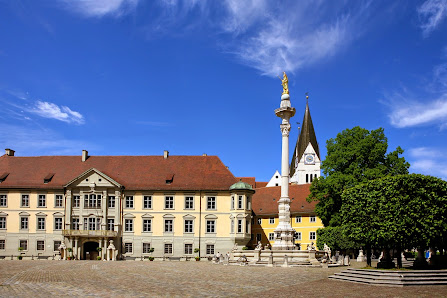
197, 279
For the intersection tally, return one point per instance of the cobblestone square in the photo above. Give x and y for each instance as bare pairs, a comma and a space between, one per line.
191, 279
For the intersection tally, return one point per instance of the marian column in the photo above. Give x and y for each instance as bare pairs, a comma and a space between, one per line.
284, 232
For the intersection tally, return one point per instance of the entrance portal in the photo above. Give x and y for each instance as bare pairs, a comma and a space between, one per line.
90, 250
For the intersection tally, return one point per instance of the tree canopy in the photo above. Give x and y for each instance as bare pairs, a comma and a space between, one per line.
355, 156
404, 211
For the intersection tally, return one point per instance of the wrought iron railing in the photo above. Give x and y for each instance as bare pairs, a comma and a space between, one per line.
90, 233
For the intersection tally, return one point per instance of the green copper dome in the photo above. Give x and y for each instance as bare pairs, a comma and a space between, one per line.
241, 185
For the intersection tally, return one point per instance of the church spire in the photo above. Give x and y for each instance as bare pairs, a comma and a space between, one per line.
306, 136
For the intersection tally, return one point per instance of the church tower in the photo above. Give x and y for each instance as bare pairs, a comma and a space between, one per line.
305, 165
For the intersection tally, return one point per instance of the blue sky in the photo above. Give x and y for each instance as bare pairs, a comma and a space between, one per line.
133, 77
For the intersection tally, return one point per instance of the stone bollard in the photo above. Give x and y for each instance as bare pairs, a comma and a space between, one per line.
258, 255
347, 261
286, 261
270, 262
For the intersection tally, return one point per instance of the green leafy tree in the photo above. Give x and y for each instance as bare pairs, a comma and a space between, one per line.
355, 156
403, 211
334, 238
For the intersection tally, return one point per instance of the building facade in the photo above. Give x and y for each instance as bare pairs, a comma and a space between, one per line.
86, 205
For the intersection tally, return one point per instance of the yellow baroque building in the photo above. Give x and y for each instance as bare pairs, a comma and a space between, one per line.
302, 215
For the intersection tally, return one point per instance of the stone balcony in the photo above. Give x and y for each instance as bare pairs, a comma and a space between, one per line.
89, 233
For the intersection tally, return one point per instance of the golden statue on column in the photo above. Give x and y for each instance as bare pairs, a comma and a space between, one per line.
285, 83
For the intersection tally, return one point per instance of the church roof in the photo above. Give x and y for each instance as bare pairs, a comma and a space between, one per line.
132, 172
307, 136
265, 200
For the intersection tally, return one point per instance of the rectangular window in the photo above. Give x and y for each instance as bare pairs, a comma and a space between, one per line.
188, 249
110, 224
189, 202
129, 202
298, 235
58, 201
259, 221
258, 237
75, 223
128, 248
312, 219
25, 201
169, 226
147, 225
128, 225
272, 220
23, 244
76, 201
2, 244
147, 202
232, 202
211, 203
169, 202
92, 201
211, 226
210, 249
56, 245
58, 223
3, 222
111, 202
40, 245
168, 248
42, 201
188, 226
146, 248
239, 202
92, 223
3, 201
298, 219
232, 226
312, 235
248, 205
239, 225
41, 223
271, 236
24, 223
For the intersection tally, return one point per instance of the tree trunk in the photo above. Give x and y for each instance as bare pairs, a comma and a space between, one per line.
368, 255
399, 257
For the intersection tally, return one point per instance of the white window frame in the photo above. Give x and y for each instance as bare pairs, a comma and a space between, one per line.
169, 202
25, 241
188, 226
210, 249
2, 222
259, 220
271, 236
110, 224
211, 203
24, 198
188, 249
189, 202
75, 223
56, 247
58, 201
240, 225
76, 201
111, 201
128, 225
211, 226
271, 220
56, 219
42, 243
312, 219
2, 244
147, 225
312, 235
41, 199
168, 228
129, 202
168, 249
24, 219
147, 247
232, 202
298, 219
38, 227
3, 200
299, 236
147, 202
240, 202
128, 247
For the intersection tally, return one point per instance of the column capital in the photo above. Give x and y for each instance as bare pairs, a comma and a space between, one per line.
285, 129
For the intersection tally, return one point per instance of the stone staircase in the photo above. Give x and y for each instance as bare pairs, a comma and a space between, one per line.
397, 278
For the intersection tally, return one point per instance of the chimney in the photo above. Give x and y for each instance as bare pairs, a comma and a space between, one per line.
9, 152
166, 154
84, 155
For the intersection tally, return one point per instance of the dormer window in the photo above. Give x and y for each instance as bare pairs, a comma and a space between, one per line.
169, 178
48, 178
3, 177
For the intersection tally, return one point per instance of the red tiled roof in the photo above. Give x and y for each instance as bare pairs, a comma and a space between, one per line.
133, 172
261, 184
249, 180
265, 200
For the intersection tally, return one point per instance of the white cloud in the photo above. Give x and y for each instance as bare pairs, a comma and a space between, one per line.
100, 8
407, 113
428, 161
431, 14
50, 110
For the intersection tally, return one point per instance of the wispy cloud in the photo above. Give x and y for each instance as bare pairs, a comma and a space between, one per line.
406, 112
428, 161
431, 14
100, 8
50, 110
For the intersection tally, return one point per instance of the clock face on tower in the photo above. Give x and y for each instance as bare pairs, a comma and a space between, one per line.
309, 159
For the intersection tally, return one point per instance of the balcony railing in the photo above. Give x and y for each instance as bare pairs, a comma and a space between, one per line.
90, 233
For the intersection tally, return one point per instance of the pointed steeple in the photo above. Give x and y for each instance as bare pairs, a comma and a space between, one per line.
307, 136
